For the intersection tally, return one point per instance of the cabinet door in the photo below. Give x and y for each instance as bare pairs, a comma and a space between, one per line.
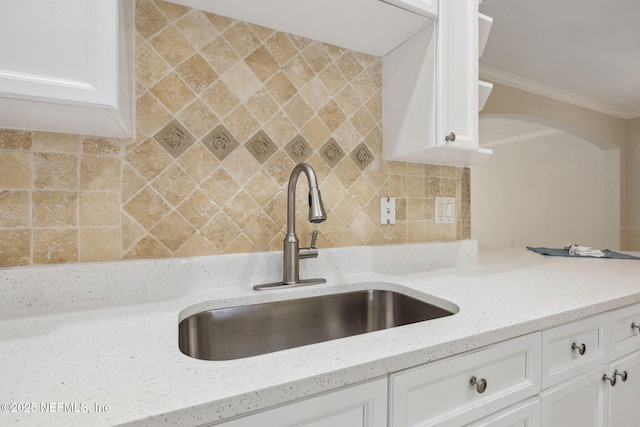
625, 331
581, 401
457, 73
624, 397
524, 414
363, 405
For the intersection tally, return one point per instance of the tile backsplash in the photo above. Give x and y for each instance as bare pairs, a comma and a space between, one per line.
225, 109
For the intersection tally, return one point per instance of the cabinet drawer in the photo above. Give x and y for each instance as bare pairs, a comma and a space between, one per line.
433, 394
562, 348
624, 337
523, 414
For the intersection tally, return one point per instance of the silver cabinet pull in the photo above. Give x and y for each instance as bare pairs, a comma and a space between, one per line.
481, 385
634, 326
614, 378
581, 348
450, 138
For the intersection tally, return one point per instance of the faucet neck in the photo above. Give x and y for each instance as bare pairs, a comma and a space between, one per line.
291, 194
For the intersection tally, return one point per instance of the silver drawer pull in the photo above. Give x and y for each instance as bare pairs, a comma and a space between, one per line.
481, 385
450, 138
614, 377
581, 348
634, 326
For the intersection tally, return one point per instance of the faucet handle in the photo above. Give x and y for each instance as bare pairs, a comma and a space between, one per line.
314, 236
311, 251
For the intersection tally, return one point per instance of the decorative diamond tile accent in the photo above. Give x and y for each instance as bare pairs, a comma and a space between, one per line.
220, 142
261, 146
174, 138
362, 156
298, 149
331, 153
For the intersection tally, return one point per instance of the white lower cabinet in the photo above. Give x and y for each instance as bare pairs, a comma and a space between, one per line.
363, 405
624, 397
523, 414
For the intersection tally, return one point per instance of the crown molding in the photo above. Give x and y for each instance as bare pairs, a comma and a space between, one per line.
499, 76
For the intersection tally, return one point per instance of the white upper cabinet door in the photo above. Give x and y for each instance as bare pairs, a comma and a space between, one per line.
457, 73
74, 55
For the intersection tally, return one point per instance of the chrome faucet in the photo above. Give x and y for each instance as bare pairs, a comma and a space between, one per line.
292, 252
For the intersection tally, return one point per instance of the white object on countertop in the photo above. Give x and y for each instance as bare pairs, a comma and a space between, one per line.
584, 251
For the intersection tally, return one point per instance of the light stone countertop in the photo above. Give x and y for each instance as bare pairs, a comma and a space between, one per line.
106, 334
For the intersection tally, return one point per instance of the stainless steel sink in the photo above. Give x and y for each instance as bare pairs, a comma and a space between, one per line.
237, 332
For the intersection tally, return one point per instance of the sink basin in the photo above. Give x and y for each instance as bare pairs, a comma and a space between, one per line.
250, 330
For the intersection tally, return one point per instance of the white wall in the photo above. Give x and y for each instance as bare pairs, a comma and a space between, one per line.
549, 190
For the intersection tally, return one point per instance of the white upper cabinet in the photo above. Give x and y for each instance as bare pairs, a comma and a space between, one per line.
430, 93
374, 27
67, 66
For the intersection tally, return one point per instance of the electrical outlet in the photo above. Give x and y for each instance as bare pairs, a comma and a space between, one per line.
387, 210
445, 211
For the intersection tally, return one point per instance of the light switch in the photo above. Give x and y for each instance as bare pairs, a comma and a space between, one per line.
445, 210
387, 210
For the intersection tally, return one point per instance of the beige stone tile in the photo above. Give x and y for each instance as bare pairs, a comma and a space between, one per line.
298, 71
298, 111
432, 232
432, 187
348, 100
349, 66
448, 232
316, 56
147, 207
275, 245
15, 209
415, 187
197, 29
281, 88
52, 142
150, 67
100, 244
241, 124
432, 170
398, 168
375, 71
241, 245
447, 187
55, 209
149, 20
401, 209
348, 239
99, 209
332, 115
198, 119
347, 209
262, 33
241, 38
102, 146
347, 137
364, 86
415, 231
220, 55
218, 21
299, 42
334, 51
15, 139
100, 173
173, 231
347, 172
196, 246
132, 232
198, 162
262, 63
261, 231
242, 209
56, 171
172, 46
279, 167
241, 165
52, 246
132, 182
173, 93
220, 98
316, 133
280, 129
220, 231
149, 159
276, 210
280, 47
220, 187
151, 115
429, 209
332, 191
147, 248
362, 121
374, 106
331, 230
174, 185
198, 209
398, 185
315, 94
332, 79
362, 190
262, 188
374, 142
15, 247
242, 81
320, 166
398, 233
447, 172
364, 229
416, 169
197, 73
262, 105
171, 10
415, 209
378, 237
377, 174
